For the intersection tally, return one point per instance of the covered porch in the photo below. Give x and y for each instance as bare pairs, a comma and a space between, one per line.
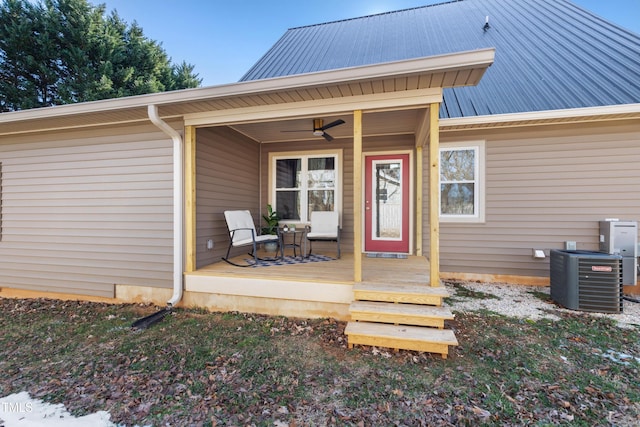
233, 150
248, 157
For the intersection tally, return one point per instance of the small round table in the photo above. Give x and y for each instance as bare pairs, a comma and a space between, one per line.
296, 240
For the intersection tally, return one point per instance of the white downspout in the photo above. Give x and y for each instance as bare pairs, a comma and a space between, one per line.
178, 190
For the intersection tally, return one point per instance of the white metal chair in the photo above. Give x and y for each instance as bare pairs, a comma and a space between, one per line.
324, 226
242, 232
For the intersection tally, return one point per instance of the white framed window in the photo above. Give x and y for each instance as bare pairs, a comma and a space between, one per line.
301, 183
462, 182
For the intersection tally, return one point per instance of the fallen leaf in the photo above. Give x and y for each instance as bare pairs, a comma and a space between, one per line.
483, 413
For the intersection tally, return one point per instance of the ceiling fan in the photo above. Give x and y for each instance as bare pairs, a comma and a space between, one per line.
319, 128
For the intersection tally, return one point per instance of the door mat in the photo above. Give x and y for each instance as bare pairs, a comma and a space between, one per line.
291, 260
386, 255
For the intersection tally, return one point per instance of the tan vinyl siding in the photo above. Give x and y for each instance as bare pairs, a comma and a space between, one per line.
227, 171
83, 212
545, 187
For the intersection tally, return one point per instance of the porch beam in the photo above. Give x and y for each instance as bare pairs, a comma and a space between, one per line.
434, 191
190, 198
357, 196
372, 102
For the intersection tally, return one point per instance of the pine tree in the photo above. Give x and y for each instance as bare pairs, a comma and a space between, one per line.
56, 52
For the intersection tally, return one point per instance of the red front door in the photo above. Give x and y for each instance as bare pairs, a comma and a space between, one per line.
387, 203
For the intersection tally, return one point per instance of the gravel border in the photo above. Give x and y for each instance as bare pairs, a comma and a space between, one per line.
520, 301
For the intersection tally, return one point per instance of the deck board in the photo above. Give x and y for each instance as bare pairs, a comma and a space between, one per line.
400, 314
401, 337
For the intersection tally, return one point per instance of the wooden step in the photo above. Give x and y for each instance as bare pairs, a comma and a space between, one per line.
412, 294
402, 314
401, 337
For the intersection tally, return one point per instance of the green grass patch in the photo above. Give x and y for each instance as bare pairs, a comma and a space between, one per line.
464, 292
541, 296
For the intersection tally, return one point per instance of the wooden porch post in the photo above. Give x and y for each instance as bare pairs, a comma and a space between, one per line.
190, 197
419, 190
357, 196
422, 139
434, 191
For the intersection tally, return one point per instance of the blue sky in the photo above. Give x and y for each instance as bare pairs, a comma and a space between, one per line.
224, 38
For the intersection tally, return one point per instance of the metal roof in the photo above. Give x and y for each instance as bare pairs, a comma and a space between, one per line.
550, 54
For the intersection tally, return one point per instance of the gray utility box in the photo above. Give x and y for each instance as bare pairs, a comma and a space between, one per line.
588, 281
621, 238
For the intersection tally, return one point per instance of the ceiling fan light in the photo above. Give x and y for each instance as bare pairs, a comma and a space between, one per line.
318, 132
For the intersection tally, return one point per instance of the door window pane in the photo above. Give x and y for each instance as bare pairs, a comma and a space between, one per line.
387, 214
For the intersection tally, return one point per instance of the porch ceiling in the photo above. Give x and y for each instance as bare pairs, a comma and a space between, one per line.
379, 123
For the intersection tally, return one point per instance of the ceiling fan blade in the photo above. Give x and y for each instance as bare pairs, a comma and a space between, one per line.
295, 130
328, 137
332, 124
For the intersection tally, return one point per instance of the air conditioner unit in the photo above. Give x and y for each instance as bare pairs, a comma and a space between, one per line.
588, 281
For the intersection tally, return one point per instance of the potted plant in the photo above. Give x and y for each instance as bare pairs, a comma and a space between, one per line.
271, 219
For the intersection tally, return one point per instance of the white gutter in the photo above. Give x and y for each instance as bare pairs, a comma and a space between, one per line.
178, 215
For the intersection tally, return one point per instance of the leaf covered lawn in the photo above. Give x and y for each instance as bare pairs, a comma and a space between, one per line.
201, 368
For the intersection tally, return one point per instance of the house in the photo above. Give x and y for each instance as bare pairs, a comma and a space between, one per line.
474, 133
